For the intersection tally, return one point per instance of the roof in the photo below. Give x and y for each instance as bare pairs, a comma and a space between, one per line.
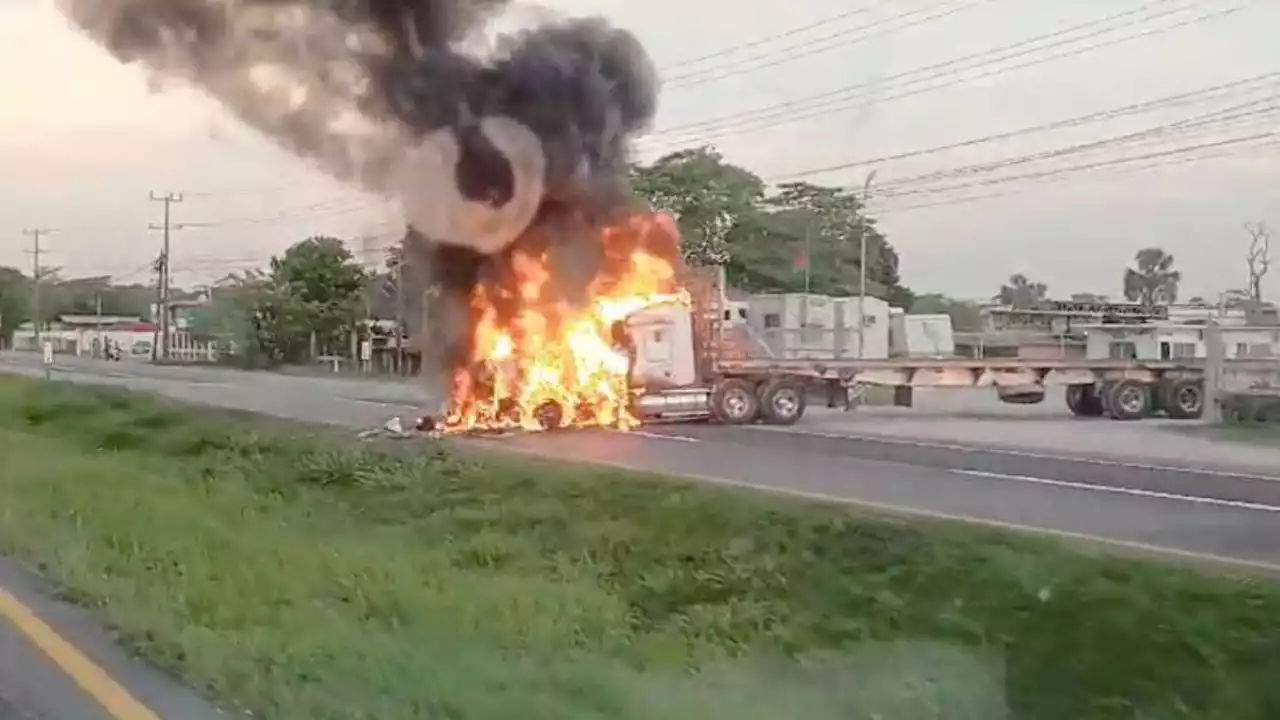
97, 319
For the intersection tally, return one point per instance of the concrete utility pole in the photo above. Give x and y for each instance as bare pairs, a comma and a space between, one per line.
1215, 356
36, 273
162, 306
862, 266
160, 267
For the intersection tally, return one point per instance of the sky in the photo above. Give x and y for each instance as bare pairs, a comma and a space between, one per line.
790, 87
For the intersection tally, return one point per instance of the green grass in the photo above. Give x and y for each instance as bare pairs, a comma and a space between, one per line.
298, 575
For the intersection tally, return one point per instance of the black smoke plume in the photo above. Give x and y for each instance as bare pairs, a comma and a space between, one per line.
477, 146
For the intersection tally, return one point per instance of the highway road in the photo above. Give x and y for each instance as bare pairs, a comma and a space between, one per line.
1209, 508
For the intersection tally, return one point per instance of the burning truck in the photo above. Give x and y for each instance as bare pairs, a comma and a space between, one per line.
645, 346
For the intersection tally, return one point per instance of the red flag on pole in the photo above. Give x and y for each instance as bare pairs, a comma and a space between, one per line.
801, 261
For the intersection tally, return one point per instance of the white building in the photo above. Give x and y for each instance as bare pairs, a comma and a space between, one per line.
1163, 341
85, 334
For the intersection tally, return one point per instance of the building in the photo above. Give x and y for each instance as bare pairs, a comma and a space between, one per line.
1167, 341
86, 335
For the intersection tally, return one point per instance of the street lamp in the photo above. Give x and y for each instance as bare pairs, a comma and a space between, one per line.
862, 266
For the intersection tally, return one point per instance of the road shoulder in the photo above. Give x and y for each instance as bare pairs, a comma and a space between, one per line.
57, 661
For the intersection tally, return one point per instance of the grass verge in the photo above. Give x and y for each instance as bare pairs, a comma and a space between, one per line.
296, 575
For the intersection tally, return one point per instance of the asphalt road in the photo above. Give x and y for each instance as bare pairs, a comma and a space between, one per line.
1209, 508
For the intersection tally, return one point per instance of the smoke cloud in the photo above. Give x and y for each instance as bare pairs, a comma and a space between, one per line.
378, 93
526, 142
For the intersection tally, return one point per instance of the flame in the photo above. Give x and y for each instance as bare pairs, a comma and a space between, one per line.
537, 361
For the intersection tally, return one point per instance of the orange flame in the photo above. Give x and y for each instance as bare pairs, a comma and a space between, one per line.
537, 363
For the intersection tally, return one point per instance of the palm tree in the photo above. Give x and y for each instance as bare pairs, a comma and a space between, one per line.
1153, 281
1021, 293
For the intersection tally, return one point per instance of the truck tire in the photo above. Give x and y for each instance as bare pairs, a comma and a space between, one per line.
734, 402
1129, 400
550, 415
1083, 400
782, 402
1184, 399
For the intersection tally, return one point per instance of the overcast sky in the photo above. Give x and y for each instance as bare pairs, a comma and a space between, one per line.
83, 140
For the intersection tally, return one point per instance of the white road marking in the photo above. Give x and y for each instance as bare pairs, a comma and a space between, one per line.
659, 436
383, 403
1197, 499
903, 510
1031, 454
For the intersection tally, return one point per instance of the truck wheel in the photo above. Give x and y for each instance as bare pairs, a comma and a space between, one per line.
1184, 399
1083, 400
1088, 400
734, 402
550, 415
1129, 400
782, 402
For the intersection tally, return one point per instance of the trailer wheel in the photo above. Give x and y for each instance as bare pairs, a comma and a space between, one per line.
734, 402
1129, 400
1184, 399
782, 402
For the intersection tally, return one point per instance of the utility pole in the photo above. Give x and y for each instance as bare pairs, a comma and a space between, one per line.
100, 349
36, 273
160, 266
162, 306
808, 254
400, 324
862, 266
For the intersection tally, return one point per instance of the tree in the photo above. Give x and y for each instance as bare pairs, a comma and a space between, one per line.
1258, 258
965, 316
229, 311
1152, 281
15, 296
1021, 293
313, 293
770, 242
835, 229
1235, 298
707, 196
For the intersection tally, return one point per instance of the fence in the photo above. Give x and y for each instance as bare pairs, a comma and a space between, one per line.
186, 348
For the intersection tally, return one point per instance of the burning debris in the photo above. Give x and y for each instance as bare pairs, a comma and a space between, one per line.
510, 165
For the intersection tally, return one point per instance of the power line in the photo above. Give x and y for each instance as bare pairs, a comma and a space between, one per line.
769, 38
1079, 120
1173, 152
838, 100
1212, 120
840, 91
1226, 151
326, 207
700, 77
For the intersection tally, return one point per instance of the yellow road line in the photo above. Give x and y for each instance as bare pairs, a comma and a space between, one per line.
113, 698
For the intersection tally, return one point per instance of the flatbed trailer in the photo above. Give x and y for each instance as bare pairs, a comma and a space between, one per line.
686, 369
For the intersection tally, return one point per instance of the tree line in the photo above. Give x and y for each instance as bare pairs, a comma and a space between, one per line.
796, 237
